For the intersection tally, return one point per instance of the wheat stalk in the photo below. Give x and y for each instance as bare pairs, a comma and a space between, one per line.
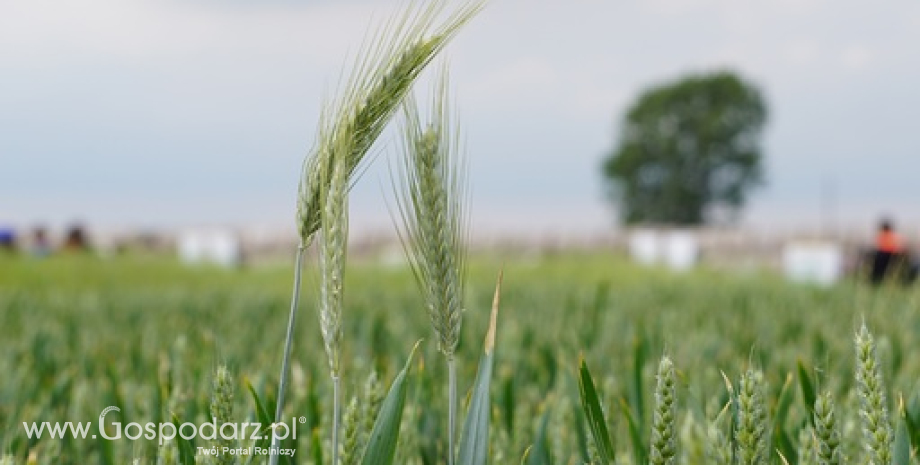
434, 231
288, 346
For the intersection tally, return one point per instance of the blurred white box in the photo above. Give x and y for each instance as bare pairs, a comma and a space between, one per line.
645, 246
678, 250
681, 250
219, 247
813, 262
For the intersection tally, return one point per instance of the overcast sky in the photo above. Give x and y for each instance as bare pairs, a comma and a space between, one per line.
159, 113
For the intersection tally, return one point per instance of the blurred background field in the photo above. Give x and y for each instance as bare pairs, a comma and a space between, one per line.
80, 333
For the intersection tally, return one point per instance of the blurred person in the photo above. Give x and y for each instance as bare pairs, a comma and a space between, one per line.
7, 240
40, 246
887, 240
76, 239
890, 256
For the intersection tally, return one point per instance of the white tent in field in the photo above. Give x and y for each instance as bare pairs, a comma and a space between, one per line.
212, 246
815, 262
677, 249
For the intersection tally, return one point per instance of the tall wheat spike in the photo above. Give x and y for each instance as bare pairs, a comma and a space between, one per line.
433, 209
332, 253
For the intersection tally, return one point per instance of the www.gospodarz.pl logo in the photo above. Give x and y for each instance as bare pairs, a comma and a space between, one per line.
163, 432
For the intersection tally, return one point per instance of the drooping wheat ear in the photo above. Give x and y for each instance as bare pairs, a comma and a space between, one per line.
384, 72
827, 438
751, 433
434, 233
873, 405
664, 432
222, 411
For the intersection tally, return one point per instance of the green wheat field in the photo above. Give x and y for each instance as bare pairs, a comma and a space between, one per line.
79, 334
568, 359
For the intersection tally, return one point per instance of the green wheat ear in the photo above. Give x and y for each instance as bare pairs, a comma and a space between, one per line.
663, 449
348, 455
383, 74
873, 404
827, 438
751, 433
806, 446
432, 205
434, 233
372, 399
222, 410
718, 445
332, 254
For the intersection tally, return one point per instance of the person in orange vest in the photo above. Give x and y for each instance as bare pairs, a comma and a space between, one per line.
891, 256
887, 240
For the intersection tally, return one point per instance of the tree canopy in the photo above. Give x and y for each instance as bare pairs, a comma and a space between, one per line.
689, 151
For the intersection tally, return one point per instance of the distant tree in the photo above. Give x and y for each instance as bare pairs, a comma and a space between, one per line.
689, 151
